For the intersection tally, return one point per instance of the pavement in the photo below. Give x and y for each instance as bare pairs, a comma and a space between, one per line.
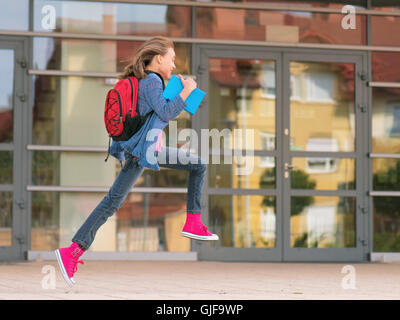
201, 280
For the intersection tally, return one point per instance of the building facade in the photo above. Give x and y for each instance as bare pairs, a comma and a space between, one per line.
315, 83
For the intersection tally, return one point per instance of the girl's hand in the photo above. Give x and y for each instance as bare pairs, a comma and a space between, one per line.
188, 86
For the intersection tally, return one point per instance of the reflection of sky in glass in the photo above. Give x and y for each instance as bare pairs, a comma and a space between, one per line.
142, 13
14, 15
123, 12
6, 83
89, 11
42, 52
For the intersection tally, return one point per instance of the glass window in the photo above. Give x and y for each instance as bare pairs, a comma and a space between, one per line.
385, 120
267, 141
323, 91
323, 222
6, 217
145, 222
94, 55
386, 174
6, 167
73, 169
243, 221
242, 96
6, 95
65, 106
323, 173
386, 5
88, 169
386, 66
379, 31
15, 15
311, 3
244, 173
278, 26
379, 34
111, 18
386, 224
268, 86
320, 87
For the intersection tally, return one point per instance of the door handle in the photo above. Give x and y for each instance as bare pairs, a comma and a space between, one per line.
289, 166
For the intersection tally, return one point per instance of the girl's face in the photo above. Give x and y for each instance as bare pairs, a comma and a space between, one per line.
166, 64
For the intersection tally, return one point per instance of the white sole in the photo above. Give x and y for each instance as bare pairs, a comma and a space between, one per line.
197, 237
68, 280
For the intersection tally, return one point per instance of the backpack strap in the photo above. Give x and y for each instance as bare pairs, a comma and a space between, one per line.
108, 149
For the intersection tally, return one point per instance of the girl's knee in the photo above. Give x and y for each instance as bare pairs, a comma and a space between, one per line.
114, 201
201, 167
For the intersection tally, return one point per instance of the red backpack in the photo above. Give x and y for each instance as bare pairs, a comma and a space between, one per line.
121, 115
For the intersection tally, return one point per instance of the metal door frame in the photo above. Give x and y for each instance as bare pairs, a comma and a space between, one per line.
281, 252
359, 253
20, 219
207, 251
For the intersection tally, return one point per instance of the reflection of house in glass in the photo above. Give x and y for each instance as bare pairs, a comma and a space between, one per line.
244, 90
6, 95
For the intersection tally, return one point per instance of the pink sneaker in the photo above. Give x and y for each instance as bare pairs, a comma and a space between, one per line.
68, 259
194, 229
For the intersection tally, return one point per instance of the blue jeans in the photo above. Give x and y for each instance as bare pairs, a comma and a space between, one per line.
172, 158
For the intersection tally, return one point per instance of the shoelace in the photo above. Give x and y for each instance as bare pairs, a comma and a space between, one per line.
74, 265
205, 229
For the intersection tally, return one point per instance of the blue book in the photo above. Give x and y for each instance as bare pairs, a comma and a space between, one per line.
174, 87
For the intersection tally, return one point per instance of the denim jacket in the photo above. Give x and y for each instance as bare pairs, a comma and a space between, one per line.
143, 143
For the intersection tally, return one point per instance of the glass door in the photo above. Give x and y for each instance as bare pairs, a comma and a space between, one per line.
323, 160
292, 188
241, 120
12, 98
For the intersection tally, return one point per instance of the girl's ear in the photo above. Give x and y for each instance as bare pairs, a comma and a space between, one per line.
159, 58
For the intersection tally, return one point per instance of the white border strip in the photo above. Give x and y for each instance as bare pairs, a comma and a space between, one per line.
279, 44
32, 147
382, 84
105, 189
120, 256
385, 256
384, 193
385, 155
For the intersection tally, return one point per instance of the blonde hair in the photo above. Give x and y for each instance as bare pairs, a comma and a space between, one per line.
145, 54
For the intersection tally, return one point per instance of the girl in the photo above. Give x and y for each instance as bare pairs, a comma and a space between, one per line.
153, 62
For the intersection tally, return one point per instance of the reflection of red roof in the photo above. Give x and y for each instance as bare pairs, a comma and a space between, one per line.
226, 72
386, 66
6, 124
312, 36
385, 31
232, 73
320, 28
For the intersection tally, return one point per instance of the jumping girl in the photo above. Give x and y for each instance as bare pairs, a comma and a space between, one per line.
152, 63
